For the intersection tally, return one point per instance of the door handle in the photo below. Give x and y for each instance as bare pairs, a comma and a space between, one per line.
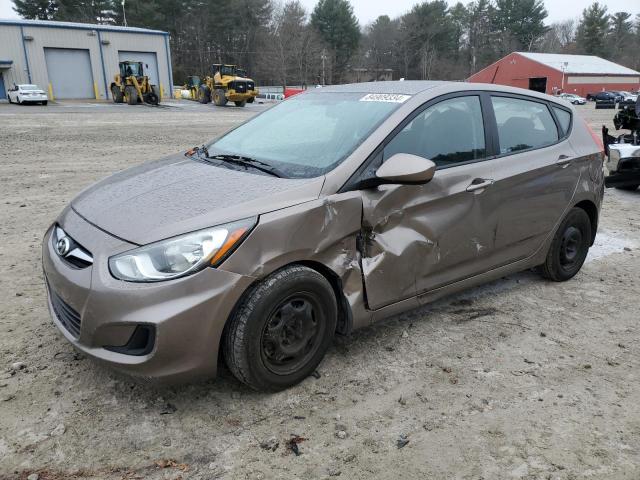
564, 161
479, 184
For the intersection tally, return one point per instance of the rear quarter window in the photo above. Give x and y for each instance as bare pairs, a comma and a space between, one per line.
564, 119
523, 124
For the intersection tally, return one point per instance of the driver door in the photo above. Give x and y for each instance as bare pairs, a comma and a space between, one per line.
416, 238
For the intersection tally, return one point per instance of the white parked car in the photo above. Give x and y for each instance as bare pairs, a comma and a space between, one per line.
573, 98
628, 96
27, 94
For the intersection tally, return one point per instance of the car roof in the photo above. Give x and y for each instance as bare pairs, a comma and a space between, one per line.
408, 87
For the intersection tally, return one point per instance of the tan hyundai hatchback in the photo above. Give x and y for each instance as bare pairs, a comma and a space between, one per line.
332, 210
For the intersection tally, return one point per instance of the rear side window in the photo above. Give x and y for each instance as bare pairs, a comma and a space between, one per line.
523, 124
564, 118
447, 133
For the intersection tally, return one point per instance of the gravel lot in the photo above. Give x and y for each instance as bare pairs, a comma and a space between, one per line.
520, 378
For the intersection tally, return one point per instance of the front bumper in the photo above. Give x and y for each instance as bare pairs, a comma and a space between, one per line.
186, 316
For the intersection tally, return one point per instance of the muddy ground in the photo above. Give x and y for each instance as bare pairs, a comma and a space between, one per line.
521, 378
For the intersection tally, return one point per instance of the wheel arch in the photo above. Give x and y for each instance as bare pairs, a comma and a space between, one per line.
592, 211
345, 317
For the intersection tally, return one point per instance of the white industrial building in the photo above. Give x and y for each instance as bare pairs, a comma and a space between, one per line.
78, 60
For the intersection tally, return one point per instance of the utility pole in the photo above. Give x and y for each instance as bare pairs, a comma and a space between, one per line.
124, 14
564, 68
324, 57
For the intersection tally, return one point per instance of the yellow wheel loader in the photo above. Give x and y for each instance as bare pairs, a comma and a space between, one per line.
131, 85
228, 84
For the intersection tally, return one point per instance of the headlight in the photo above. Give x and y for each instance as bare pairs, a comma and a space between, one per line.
180, 256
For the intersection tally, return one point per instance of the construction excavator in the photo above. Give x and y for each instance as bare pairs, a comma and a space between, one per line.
130, 84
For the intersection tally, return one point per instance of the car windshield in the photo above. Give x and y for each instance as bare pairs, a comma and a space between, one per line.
309, 134
27, 88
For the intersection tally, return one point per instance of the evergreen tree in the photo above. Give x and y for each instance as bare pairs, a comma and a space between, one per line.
338, 27
592, 30
35, 9
522, 21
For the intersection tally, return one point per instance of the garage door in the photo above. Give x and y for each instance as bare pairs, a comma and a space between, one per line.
69, 72
148, 58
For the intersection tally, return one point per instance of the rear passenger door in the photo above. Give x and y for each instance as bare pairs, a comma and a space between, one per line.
535, 173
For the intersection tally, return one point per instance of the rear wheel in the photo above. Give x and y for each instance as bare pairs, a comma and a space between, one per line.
629, 188
241, 103
569, 247
219, 98
45, 102
204, 94
131, 94
281, 330
251, 99
116, 94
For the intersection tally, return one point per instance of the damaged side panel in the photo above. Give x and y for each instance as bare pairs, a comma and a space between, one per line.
420, 237
324, 231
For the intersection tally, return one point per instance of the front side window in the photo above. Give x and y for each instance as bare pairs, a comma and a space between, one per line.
523, 124
447, 133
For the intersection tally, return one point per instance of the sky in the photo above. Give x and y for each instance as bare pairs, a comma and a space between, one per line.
369, 10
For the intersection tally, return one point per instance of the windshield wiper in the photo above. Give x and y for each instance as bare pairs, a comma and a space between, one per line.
248, 161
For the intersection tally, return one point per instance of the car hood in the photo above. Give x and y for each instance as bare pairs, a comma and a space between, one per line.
175, 195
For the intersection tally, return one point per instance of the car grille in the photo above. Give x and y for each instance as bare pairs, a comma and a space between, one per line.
66, 315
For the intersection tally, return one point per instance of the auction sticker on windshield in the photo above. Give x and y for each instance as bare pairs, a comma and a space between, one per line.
385, 97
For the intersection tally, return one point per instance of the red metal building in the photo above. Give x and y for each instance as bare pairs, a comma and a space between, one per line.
556, 73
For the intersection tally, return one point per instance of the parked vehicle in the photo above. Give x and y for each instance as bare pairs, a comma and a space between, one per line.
623, 151
573, 98
331, 210
131, 85
628, 96
618, 95
27, 93
606, 100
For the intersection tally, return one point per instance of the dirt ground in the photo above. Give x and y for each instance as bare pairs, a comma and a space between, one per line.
520, 378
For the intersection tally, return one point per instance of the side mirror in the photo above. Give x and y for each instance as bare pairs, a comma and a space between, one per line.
405, 168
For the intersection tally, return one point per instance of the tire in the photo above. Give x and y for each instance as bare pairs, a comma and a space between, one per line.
116, 94
45, 102
569, 247
131, 95
219, 98
153, 97
9, 98
251, 99
299, 305
241, 103
204, 94
629, 188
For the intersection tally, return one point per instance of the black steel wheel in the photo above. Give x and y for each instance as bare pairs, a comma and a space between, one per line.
281, 329
569, 247
292, 334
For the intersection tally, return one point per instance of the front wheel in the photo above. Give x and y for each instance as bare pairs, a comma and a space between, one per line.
131, 94
569, 247
204, 94
281, 329
219, 98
